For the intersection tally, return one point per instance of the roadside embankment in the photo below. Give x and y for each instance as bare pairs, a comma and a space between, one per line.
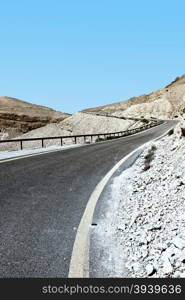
146, 225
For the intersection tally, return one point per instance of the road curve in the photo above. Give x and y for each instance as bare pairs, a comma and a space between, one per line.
42, 200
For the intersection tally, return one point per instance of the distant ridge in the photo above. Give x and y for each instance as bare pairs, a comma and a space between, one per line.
167, 102
17, 116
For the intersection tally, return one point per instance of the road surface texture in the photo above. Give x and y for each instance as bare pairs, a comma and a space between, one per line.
42, 200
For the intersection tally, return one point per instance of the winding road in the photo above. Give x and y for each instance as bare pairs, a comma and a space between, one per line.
42, 200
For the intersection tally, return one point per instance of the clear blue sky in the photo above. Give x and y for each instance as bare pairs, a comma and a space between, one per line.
74, 54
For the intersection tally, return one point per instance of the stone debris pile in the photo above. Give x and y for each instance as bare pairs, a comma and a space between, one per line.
150, 221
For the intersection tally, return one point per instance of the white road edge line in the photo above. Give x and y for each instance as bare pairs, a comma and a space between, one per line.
82, 145
79, 263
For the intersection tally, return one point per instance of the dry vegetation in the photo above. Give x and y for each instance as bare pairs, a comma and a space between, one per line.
149, 157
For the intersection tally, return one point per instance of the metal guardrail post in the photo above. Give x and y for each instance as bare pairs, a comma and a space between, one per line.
105, 135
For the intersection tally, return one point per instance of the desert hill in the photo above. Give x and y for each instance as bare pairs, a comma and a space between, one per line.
167, 102
17, 116
78, 123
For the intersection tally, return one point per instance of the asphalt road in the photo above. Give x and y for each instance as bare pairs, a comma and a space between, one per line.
42, 200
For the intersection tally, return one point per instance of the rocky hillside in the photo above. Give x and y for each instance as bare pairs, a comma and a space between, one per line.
82, 123
167, 102
18, 116
143, 229
78, 123
155, 242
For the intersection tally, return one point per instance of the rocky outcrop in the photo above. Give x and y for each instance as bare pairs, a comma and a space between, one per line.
18, 116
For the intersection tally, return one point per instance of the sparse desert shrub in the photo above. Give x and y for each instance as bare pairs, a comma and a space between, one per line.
171, 131
146, 166
153, 148
149, 157
183, 131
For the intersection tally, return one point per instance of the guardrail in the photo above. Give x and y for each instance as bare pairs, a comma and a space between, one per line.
110, 135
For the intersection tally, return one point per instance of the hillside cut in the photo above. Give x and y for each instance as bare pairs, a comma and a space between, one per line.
17, 117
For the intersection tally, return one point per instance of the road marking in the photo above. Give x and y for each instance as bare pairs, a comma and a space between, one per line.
79, 264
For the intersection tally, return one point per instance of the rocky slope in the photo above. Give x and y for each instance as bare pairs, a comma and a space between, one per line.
147, 227
83, 123
167, 102
18, 116
79, 123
